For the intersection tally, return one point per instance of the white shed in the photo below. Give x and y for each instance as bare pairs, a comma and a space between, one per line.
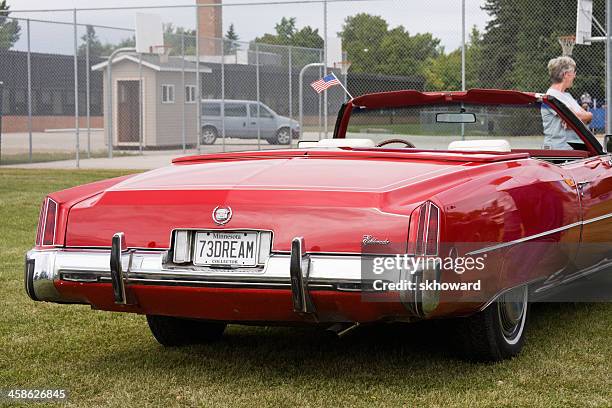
169, 95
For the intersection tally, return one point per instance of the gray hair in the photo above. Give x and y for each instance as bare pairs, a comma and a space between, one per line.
557, 67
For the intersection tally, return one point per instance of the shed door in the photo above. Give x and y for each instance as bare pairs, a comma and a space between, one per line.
128, 111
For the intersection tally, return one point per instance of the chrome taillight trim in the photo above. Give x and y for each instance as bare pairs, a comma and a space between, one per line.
44, 227
420, 246
430, 206
41, 222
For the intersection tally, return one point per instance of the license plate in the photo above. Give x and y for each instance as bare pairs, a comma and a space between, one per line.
226, 248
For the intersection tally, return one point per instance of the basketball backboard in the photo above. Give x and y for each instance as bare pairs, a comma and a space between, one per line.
149, 33
584, 22
334, 51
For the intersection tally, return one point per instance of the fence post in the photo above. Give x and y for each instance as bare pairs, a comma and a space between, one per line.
290, 62
463, 58
320, 95
1, 99
258, 97
109, 105
29, 92
88, 97
140, 110
608, 67
325, 65
76, 86
198, 83
184, 89
345, 58
222, 94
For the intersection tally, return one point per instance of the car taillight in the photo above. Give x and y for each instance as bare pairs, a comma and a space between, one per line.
424, 234
45, 234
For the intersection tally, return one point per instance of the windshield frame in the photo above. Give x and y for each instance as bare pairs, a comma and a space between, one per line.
412, 98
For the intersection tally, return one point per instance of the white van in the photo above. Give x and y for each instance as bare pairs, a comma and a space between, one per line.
245, 120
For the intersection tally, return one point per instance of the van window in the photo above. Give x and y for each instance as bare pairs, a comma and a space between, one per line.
235, 110
263, 111
211, 109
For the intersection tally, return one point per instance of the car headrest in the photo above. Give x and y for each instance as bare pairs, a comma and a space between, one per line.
495, 145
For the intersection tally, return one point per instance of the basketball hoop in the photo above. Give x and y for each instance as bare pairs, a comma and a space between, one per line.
162, 51
567, 43
343, 66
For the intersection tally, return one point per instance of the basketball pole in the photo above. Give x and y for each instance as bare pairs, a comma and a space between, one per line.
608, 67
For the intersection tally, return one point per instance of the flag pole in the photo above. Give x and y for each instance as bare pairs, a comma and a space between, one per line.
342, 85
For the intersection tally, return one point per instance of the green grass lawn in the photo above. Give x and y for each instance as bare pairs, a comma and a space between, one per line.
111, 359
39, 157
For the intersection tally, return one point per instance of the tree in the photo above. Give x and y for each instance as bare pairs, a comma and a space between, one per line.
174, 37
374, 48
521, 38
287, 33
443, 73
230, 45
96, 49
362, 36
9, 28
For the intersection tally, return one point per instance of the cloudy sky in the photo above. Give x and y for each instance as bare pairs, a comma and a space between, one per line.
440, 17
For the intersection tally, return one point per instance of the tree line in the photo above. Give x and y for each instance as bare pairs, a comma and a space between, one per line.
510, 53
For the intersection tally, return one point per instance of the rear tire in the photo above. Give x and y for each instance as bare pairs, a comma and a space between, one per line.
209, 135
174, 331
496, 333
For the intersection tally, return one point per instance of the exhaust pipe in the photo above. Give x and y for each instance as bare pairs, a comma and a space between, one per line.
342, 329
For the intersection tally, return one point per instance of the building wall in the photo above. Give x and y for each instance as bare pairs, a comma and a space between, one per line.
127, 70
210, 19
170, 115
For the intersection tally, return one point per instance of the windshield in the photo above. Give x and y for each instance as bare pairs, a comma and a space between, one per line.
533, 126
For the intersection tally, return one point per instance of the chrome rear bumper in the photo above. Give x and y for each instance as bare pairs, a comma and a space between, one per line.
45, 267
299, 272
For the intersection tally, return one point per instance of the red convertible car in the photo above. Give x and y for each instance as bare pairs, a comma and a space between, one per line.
458, 205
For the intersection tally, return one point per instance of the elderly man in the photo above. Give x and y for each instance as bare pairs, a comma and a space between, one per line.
557, 134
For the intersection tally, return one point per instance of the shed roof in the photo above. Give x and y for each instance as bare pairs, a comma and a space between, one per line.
156, 63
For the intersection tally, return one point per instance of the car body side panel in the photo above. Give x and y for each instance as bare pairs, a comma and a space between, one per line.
521, 204
594, 179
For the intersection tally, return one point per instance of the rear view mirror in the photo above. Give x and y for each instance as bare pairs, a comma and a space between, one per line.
455, 118
608, 143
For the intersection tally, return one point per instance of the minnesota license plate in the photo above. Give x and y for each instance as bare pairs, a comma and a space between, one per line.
214, 248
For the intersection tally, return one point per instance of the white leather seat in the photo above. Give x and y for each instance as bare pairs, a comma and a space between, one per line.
346, 143
494, 145
336, 143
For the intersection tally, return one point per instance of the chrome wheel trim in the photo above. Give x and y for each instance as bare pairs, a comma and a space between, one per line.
283, 136
512, 313
208, 136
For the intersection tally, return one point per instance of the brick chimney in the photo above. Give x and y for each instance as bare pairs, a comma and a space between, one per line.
211, 20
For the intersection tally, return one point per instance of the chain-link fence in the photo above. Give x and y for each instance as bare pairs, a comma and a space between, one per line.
204, 94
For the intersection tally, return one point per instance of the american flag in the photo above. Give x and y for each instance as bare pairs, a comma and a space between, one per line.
326, 82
